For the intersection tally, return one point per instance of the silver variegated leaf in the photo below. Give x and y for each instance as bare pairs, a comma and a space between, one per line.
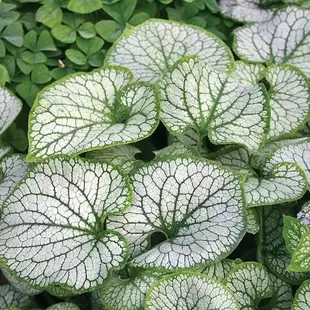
10, 106
245, 10
272, 250
253, 221
189, 291
250, 283
302, 297
195, 96
51, 229
10, 297
89, 111
176, 148
96, 302
285, 38
63, 306
128, 294
4, 151
195, 203
289, 100
150, 49
248, 73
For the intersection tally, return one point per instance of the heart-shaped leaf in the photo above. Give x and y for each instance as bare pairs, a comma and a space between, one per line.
88, 111
58, 235
302, 297
214, 104
274, 42
128, 294
197, 205
10, 106
250, 283
248, 73
189, 291
245, 10
151, 48
289, 100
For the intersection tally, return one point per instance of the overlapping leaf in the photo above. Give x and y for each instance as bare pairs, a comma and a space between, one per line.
10, 297
245, 10
284, 38
151, 48
52, 224
289, 100
196, 204
91, 111
253, 221
302, 297
250, 283
214, 104
63, 306
10, 106
189, 291
248, 73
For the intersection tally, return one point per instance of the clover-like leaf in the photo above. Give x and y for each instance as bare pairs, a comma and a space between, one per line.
293, 231
295, 151
197, 205
10, 106
285, 38
250, 283
284, 183
189, 291
123, 156
128, 294
10, 297
214, 104
301, 256
90, 111
302, 297
221, 269
289, 99
253, 221
245, 10
272, 250
150, 49
52, 224
12, 170
248, 73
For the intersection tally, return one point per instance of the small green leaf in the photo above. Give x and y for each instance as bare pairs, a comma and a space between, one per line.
4, 75
212, 5
89, 46
64, 34
96, 60
16, 138
87, 30
49, 14
2, 49
189, 291
301, 256
84, 6
40, 74
121, 11
113, 113
14, 34
302, 297
33, 58
24, 67
68, 244
109, 30
30, 40
194, 232
76, 57
45, 42
27, 91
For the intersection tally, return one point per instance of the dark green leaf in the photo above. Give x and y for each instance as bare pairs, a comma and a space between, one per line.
16, 137
90, 46
84, 6
58, 73
14, 33
9, 63
45, 42
2, 49
7, 18
28, 20
4, 75
24, 67
138, 18
40, 74
76, 57
30, 40
109, 30
121, 11
96, 60
212, 5
64, 34
33, 58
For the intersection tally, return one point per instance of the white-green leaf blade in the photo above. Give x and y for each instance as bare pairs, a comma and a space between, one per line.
189, 291
285, 182
88, 111
58, 237
128, 294
9, 297
250, 283
10, 106
289, 100
274, 41
63, 306
151, 48
195, 96
13, 169
177, 197
302, 297
245, 10
301, 256
248, 73
253, 221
